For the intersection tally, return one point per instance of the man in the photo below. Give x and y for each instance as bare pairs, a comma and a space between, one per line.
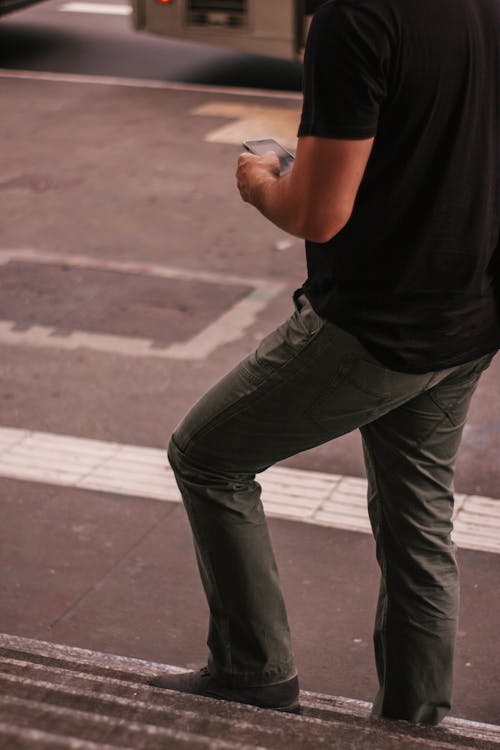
394, 189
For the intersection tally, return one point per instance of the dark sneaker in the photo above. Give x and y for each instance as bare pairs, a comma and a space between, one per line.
283, 696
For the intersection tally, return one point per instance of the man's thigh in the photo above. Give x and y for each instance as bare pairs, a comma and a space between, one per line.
410, 457
307, 383
427, 429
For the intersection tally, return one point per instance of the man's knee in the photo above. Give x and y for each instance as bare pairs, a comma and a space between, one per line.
177, 458
185, 458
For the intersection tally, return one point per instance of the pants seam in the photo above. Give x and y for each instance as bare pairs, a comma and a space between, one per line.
242, 402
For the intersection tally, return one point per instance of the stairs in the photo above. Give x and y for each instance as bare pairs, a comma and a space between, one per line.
54, 696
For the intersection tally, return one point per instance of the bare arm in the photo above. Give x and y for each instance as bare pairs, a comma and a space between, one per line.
315, 199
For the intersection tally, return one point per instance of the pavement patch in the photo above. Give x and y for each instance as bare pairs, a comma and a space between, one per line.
307, 496
99, 313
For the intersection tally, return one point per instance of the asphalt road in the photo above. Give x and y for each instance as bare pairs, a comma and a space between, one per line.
97, 176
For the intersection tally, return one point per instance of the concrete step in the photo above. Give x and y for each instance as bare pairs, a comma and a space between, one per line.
54, 696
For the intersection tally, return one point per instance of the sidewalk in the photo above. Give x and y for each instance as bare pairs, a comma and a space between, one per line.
104, 310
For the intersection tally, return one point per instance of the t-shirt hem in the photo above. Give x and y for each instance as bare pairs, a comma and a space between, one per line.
396, 356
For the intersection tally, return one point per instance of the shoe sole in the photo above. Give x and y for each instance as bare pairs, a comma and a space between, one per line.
293, 708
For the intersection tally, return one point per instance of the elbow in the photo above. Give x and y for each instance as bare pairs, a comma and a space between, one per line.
319, 236
321, 230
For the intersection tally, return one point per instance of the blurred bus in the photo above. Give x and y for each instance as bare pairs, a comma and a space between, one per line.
276, 28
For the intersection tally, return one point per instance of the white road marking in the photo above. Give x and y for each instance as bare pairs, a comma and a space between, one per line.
308, 496
34, 75
251, 121
107, 9
230, 326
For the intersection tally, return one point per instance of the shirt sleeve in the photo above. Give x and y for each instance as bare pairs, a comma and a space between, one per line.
345, 71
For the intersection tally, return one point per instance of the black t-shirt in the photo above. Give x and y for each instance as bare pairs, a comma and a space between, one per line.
411, 273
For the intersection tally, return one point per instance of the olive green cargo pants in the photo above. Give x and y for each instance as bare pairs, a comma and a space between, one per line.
307, 383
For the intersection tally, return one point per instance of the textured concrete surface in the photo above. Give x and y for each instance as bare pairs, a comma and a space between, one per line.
68, 696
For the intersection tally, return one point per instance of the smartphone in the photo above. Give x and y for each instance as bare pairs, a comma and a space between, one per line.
262, 145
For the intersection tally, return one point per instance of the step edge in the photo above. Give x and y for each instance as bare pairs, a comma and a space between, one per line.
338, 716
72, 743
247, 712
87, 656
396, 730
200, 701
131, 665
135, 727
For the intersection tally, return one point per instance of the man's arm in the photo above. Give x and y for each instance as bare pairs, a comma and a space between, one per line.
315, 199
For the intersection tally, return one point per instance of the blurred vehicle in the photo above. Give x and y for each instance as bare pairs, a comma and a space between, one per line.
277, 28
8, 6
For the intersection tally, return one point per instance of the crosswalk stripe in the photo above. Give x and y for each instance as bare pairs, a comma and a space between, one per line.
310, 497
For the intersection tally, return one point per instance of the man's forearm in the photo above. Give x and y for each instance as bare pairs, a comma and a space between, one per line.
316, 198
272, 196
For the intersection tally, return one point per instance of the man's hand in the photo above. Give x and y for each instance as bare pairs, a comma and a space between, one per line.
315, 199
254, 172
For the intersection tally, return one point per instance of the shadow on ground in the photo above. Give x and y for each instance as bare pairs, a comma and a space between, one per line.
32, 40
